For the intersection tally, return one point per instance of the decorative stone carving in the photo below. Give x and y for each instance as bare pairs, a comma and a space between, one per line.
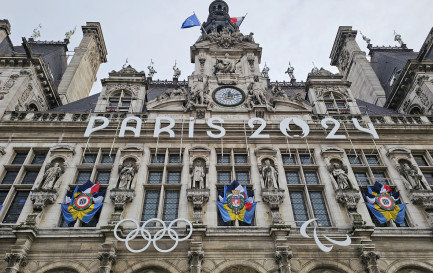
120, 197
202, 60
256, 95
198, 174
422, 97
344, 59
369, 258
15, 261
250, 59
51, 176
127, 173
282, 258
2, 151
176, 71
41, 198
274, 198
277, 92
8, 85
226, 65
107, 258
269, 175
152, 70
195, 258
26, 93
348, 197
226, 38
198, 197
412, 179
201, 113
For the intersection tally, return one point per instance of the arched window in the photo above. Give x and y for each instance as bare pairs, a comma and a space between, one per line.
152, 270
335, 104
239, 269
119, 101
415, 110
32, 107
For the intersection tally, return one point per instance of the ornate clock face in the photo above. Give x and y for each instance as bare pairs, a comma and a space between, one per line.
228, 96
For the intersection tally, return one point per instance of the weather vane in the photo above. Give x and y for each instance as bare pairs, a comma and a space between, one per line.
36, 32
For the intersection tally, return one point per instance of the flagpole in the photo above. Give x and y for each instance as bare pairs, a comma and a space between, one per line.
244, 18
200, 23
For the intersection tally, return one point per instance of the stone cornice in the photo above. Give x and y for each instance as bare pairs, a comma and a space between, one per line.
94, 28
342, 34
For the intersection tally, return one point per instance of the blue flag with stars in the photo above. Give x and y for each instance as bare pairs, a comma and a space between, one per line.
191, 21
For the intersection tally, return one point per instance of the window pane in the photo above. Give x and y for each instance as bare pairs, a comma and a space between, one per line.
319, 209
150, 207
420, 160
298, 206
83, 177
114, 103
223, 159
3, 195
293, 178
243, 177
311, 178
9, 177
429, 178
39, 158
354, 160
372, 160
16, 207
175, 158
361, 178
341, 105
158, 159
380, 177
89, 158
306, 159
126, 103
224, 178
155, 178
19, 158
329, 105
241, 159
289, 160
103, 177
30, 177
171, 204
107, 159
173, 177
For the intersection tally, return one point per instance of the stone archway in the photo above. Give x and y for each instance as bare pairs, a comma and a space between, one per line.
413, 270
325, 270
239, 269
61, 270
152, 270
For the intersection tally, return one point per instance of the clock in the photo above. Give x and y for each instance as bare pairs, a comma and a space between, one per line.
228, 96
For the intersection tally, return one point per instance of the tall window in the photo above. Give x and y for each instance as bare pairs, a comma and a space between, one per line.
18, 178
233, 165
424, 160
163, 186
95, 166
305, 188
120, 101
335, 103
368, 168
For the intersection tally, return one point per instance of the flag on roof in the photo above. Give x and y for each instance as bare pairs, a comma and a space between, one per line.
83, 203
236, 203
382, 203
237, 20
191, 21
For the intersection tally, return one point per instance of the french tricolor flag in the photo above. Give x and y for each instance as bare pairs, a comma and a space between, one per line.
237, 20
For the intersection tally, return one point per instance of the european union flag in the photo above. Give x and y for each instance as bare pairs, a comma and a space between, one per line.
191, 21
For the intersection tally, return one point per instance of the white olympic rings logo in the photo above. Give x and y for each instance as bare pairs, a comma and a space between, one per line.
147, 236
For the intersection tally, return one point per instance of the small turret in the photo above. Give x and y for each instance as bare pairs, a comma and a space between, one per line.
218, 17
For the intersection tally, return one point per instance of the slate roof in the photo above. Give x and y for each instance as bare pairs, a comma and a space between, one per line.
372, 109
87, 104
384, 61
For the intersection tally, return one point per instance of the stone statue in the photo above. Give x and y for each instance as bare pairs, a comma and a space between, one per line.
265, 71
290, 71
199, 90
176, 71
50, 177
257, 95
198, 176
278, 92
152, 70
69, 34
126, 176
397, 37
412, 177
226, 65
341, 177
270, 176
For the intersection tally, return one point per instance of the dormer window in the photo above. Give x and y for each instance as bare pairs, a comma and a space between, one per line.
120, 101
335, 104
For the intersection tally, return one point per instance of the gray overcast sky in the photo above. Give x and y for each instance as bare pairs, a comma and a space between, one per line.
299, 31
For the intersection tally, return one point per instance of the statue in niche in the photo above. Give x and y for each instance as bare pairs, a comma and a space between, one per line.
410, 173
256, 95
341, 177
270, 176
51, 176
199, 91
198, 175
127, 173
226, 65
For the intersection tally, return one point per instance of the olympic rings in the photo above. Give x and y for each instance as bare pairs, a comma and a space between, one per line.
148, 236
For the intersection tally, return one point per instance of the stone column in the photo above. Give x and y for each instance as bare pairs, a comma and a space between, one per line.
15, 261
354, 66
196, 253
283, 253
107, 258
5, 29
81, 71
